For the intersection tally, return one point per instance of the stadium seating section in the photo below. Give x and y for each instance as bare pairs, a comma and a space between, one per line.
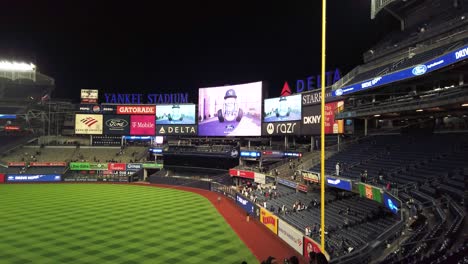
427, 173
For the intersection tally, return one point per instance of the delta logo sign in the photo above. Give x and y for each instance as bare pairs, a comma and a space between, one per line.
312, 82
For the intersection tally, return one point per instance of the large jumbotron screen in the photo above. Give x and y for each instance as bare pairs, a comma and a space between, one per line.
230, 110
286, 108
183, 114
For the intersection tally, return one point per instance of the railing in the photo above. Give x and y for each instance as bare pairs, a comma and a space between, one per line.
378, 5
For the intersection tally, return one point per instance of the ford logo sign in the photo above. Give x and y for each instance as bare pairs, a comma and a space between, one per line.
419, 70
339, 92
117, 123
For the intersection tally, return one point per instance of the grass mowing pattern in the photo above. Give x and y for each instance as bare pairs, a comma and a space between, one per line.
101, 223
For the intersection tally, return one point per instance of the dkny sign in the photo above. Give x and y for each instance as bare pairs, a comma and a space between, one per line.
176, 130
311, 119
283, 128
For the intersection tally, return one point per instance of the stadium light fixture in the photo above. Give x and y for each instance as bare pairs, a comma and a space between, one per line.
419, 110
376, 115
17, 66
465, 105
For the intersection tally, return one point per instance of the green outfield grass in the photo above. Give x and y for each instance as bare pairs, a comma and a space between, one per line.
101, 223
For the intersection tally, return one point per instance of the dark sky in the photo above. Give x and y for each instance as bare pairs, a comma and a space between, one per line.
177, 46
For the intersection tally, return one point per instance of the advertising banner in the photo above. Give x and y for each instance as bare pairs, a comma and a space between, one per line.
152, 166
16, 164
314, 98
377, 194
136, 110
272, 154
333, 126
48, 164
311, 118
88, 166
391, 203
370, 192
310, 176
248, 206
281, 129
116, 125
177, 130
259, 178
142, 125
7, 116
282, 109
339, 183
79, 166
96, 109
234, 110
2, 178
302, 187
134, 166
117, 167
88, 124
290, 235
89, 96
179, 114
311, 246
12, 128
269, 220
418, 70
250, 154
286, 183
242, 174
147, 138
33, 177
106, 140
90, 108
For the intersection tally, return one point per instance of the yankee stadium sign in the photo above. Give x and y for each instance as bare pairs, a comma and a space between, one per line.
173, 98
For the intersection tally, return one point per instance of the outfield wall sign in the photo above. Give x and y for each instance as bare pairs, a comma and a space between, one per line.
290, 235
88, 166
34, 177
152, 166
269, 220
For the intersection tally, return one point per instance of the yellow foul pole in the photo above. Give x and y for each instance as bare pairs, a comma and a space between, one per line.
322, 132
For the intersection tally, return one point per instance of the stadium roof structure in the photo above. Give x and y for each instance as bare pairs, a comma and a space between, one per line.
22, 72
392, 5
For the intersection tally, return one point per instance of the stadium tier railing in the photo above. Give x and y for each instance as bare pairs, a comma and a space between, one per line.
378, 5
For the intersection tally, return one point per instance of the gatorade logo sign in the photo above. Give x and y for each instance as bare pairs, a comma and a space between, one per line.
136, 109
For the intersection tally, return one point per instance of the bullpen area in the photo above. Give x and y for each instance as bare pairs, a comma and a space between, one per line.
101, 223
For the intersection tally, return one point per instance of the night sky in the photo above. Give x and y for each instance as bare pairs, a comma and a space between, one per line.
180, 47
